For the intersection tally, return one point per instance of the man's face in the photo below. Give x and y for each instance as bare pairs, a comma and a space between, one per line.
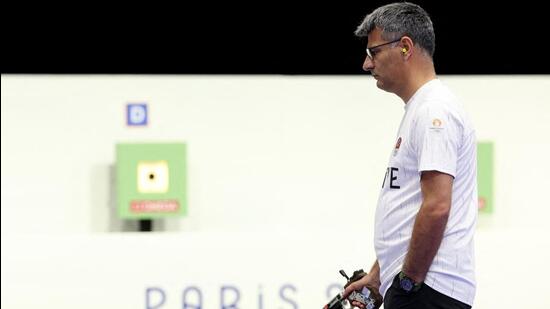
385, 64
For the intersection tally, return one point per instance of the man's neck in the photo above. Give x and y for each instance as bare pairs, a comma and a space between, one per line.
418, 79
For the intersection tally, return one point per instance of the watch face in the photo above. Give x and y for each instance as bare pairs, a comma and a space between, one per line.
406, 284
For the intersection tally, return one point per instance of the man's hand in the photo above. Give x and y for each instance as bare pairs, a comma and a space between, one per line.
369, 281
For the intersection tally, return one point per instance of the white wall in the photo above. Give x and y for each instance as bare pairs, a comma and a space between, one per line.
279, 167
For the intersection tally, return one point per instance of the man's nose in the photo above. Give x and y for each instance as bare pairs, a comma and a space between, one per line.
368, 64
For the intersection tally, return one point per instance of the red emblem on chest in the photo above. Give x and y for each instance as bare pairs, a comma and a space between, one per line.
398, 144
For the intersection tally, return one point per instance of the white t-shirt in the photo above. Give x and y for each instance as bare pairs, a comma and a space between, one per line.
435, 134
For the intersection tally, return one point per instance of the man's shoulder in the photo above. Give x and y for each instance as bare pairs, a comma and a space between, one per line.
439, 92
438, 106
441, 100
439, 112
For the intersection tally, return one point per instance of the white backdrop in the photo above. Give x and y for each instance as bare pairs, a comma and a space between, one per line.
284, 173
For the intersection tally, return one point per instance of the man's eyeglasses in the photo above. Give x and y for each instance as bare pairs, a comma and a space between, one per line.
371, 51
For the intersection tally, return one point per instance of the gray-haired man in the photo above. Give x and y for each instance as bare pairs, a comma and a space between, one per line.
427, 208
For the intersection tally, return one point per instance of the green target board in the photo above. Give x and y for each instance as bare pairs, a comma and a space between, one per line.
485, 177
151, 180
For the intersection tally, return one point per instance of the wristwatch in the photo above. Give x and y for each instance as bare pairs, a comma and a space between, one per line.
407, 284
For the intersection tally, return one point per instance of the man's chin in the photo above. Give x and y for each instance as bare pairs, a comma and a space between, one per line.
382, 86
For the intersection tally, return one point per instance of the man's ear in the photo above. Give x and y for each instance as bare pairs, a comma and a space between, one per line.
407, 44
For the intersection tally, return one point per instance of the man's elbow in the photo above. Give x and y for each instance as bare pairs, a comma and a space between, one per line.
437, 210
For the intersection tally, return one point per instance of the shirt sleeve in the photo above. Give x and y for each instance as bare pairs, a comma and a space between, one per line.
437, 139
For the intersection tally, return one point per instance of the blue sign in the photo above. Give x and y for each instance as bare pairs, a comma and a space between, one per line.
136, 114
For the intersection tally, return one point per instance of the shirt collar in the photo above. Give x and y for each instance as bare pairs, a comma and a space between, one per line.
422, 91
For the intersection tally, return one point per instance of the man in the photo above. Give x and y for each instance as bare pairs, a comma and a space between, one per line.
427, 209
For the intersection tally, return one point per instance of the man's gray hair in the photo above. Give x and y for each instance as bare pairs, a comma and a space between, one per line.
399, 19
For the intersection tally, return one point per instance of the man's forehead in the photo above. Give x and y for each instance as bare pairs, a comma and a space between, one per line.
374, 36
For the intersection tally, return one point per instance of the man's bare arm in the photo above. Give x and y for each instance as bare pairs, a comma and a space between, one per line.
430, 223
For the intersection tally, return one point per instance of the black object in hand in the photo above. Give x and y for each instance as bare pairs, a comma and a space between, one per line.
366, 297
